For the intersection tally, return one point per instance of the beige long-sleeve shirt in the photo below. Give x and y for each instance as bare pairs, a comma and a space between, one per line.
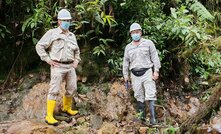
61, 47
143, 55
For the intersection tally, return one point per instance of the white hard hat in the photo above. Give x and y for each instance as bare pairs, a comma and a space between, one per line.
64, 14
135, 26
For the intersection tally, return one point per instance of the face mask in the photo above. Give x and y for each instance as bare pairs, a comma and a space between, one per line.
135, 37
65, 25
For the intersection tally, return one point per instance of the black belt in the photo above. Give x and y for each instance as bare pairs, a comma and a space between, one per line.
64, 62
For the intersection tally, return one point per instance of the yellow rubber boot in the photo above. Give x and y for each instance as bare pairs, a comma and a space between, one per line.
50, 110
67, 103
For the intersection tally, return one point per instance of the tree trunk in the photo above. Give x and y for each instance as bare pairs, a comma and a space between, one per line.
0, 4
191, 122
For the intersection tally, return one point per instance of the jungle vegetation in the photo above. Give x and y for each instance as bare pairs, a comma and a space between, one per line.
185, 32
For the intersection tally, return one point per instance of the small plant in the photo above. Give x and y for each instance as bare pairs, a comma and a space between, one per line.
115, 64
152, 131
170, 130
83, 89
102, 48
139, 115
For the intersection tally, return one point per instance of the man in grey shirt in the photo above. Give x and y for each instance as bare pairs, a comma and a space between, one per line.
141, 59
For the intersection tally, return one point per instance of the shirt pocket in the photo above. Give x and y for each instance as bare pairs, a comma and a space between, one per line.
72, 45
57, 45
132, 55
145, 51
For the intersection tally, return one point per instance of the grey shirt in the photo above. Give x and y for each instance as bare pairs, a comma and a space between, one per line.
61, 47
143, 55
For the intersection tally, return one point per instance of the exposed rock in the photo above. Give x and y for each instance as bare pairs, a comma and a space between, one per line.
176, 111
81, 120
96, 121
112, 105
28, 81
216, 123
194, 105
81, 130
4, 108
143, 130
97, 101
115, 106
34, 103
108, 128
29, 127
83, 107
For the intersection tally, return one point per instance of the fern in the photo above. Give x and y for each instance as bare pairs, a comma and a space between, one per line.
201, 11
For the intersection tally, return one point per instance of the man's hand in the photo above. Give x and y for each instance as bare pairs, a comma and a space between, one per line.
75, 64
53, 63
125, 79
155, 75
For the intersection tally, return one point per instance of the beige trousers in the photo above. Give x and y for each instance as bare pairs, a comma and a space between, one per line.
58, 74
144, 86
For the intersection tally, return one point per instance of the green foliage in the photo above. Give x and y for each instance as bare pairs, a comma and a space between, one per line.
209, 61
101, 49
102, 30
93, 12
3, 31
180, 26
83, 89
105, 88
201, 11
40, 18
190, 35
153, 131
139, 115
170, 130
205, 96
115, 62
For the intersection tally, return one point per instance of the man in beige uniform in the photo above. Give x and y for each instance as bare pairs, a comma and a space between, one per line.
141, 59
63, 56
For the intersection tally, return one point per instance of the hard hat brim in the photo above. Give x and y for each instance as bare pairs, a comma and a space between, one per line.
135, 29
65, 18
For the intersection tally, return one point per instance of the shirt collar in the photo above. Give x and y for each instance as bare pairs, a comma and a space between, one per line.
59, 30
141, 41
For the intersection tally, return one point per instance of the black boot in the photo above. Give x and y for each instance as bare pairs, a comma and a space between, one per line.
152, 113
141, 110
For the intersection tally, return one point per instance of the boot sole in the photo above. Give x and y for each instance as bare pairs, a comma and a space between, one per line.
69, 114
54, 124
61, 117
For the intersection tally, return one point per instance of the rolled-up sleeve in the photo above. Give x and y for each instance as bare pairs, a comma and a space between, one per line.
76, 52
154, 57
77, 55
126, 62
42, 45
